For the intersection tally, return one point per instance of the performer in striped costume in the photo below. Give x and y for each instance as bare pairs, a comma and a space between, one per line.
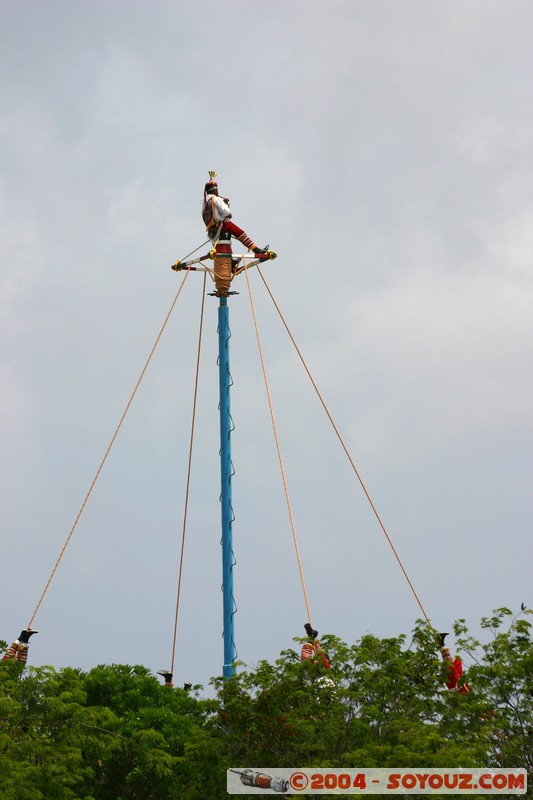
312, 649
18, 650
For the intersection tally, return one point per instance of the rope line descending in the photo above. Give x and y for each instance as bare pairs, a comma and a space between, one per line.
339, 437
265, 377
207, 241
188, 482
111, 443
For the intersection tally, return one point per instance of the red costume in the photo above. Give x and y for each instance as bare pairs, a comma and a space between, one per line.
455, 671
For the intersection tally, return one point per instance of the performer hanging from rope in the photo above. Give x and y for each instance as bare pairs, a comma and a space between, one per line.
311, 649
216, 215
18, 650
454, 667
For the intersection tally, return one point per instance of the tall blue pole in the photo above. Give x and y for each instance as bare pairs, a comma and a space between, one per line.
226, 470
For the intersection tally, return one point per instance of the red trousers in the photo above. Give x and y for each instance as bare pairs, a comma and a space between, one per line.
229, 227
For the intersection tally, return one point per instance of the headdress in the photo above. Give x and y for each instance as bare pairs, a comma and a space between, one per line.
211, 184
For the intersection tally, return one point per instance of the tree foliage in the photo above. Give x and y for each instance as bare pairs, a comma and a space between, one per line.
115, 733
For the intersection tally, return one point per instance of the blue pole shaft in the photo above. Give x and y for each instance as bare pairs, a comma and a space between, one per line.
225, 475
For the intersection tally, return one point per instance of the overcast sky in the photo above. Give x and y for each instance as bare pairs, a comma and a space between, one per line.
383, 149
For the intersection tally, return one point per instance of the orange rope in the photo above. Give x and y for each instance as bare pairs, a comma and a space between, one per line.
295, 540
180, 572
111, 443
195, 250
359, 478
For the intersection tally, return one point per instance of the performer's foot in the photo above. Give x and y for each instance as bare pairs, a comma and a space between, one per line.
24, 637
310, 631
264, 254
441, 638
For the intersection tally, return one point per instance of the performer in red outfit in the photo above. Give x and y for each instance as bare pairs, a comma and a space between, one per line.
216, 215
18, 650
455, 668
312, 649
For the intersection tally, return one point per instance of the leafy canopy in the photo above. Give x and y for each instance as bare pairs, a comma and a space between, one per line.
115, 733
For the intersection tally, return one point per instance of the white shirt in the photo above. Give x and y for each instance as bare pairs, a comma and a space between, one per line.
221, 209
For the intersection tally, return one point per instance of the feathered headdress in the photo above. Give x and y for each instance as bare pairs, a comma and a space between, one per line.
211, 183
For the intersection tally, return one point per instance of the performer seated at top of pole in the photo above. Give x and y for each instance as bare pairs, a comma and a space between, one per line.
454, 669
216, 215
18, 651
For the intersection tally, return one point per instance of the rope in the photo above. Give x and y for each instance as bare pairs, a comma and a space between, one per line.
111, 443
195, 250
339, 437
186, 507
294, 537
219, 231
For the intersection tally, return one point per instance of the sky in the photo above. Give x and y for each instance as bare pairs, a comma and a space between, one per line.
383, 150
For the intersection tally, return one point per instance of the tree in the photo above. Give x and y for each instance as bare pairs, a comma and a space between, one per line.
115, 733
503, 678
389, 706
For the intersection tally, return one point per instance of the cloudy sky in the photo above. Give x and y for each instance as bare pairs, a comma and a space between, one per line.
383, 149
